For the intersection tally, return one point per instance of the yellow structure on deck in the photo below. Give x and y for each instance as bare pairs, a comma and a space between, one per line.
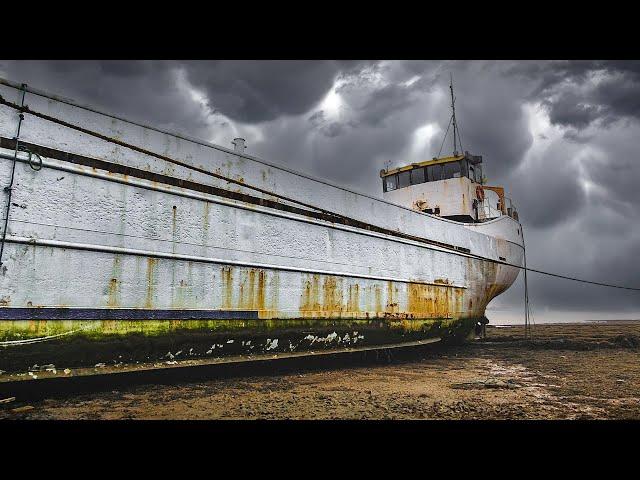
426, 163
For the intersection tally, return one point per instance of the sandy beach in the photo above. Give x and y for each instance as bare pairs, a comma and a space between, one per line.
568, 371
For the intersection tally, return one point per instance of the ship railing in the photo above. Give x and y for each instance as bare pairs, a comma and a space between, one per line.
489, 211
510, 208
486, 211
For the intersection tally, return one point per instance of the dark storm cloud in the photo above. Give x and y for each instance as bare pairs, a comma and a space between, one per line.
144, 91
620, 96
327, 127
550, 194
578, 94
575, 183
568, 110
357, 158
382, 102
248, 92
259, 91
617, 173
494, 127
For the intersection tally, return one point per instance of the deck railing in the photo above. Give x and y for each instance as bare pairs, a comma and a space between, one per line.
487, 210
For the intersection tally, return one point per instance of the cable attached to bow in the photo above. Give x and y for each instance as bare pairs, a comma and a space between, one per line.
9, 188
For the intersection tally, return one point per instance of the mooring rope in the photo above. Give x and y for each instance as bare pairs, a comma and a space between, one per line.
29, 341
9, 188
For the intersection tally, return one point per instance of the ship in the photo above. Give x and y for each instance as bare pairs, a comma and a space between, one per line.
126, 242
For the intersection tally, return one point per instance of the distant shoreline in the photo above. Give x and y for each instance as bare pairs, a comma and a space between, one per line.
572, 322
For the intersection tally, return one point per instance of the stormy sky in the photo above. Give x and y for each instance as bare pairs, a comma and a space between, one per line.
561, 136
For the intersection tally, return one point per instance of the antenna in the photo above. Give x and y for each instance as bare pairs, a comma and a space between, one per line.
457, 139
453, 117
456, 130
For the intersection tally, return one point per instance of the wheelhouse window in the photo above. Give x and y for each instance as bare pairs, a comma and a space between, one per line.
390, 183
465, 168
434, 173
404, 179
452, 170
417, 176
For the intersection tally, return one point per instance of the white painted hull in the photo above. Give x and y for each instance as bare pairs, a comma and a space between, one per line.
87, 243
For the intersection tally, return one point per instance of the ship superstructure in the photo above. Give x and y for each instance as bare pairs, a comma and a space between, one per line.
450, 187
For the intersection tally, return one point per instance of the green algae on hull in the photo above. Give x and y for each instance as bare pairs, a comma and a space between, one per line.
17, 330
89, 342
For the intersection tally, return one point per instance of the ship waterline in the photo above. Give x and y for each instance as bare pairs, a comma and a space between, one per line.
106, 244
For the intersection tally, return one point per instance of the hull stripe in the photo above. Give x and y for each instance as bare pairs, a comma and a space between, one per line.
62, 313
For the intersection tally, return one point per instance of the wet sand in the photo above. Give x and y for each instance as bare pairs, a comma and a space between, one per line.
569, 371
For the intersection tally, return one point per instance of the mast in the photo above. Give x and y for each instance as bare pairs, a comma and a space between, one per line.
457, 139
456, 131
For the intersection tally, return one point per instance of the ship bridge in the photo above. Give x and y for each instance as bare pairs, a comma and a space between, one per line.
451, 187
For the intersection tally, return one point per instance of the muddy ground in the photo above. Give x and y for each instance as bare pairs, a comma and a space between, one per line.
569, 371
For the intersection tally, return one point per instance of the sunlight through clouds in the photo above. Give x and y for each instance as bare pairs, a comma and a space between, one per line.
422, 137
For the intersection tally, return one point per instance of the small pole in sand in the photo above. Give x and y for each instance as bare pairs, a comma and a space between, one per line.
527, 325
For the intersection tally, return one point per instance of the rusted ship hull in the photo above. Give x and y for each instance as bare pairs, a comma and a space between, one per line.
115, 254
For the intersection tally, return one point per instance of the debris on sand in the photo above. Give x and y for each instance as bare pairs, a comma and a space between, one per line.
628, 340
489, 383
26, 408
